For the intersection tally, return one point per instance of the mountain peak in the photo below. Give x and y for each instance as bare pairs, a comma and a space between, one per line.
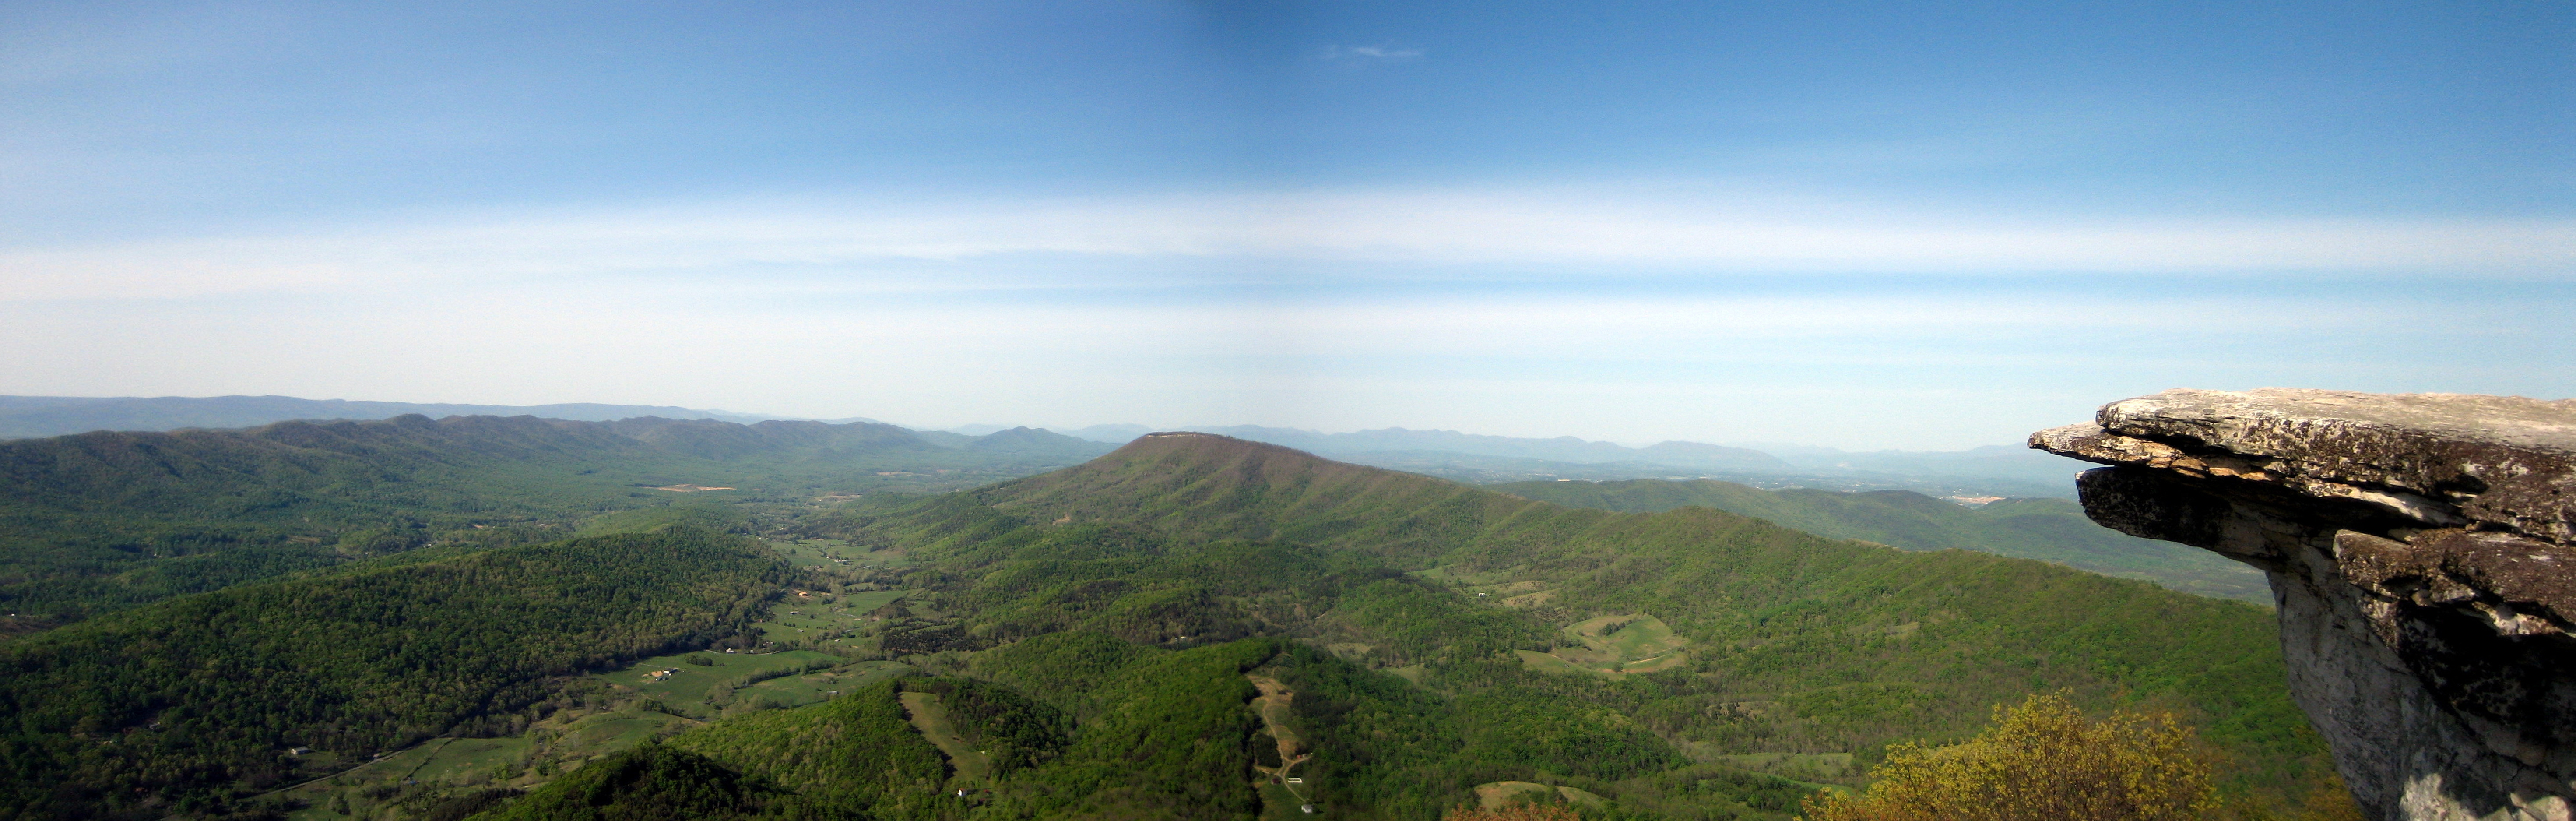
1188, 444
1216, 486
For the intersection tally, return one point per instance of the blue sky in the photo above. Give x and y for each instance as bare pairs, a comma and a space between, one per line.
1861, 225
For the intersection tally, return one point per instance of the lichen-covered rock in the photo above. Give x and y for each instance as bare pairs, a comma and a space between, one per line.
2422, 549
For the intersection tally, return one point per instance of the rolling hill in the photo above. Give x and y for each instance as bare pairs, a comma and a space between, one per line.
182, 705
1172, 630
108, 519
38, 416
1794, 643
2051, 530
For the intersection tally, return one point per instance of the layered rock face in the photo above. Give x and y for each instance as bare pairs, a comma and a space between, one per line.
2422, 549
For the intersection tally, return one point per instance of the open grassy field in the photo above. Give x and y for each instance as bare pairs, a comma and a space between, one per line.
1630, 638
1495, 795
813, 618
800, 690
1613, 646
1278, 803
836, 553
822, 553
972, 767
691, 683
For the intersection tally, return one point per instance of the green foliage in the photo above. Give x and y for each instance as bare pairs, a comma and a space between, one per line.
650, 782
1068, 670
1797, 643
106, 520
2052, 530
1420, 624
1168, 741
1171, 739
1013, 730
186, 699
718, 517
2042, 760
1710, 792
1097, 629
854, 756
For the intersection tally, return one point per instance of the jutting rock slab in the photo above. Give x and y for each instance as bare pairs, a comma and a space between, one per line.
2422, 549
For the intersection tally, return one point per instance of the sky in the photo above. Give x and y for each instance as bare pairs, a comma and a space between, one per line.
1861, 225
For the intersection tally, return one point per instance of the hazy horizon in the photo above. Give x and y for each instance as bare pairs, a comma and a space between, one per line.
1862, 226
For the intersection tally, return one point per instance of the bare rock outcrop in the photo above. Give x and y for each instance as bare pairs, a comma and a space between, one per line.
2422, 549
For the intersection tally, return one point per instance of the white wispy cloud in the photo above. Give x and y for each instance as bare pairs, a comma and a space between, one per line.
1376, 52
884, 245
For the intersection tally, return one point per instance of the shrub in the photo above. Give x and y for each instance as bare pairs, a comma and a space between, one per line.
2041, 761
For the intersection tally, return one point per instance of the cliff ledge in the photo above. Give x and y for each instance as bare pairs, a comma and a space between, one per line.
2422, 550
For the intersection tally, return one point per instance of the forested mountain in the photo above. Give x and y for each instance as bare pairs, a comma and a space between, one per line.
175, 706
1560, 449
1479, 459
2054, 530
1715, 635
1173, 630
33, 416
107, 519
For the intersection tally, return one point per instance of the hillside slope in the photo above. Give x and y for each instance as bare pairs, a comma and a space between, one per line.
1750, 637
2052, 530
107, 519
184, 705
1169, 631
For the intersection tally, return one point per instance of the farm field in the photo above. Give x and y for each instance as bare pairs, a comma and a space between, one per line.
815, 687
1612, 646
835, 554
813, 618
691, 683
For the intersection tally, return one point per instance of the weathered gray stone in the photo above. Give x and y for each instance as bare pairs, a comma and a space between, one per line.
2422, 549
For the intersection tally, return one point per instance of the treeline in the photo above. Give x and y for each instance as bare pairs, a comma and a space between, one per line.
178, 707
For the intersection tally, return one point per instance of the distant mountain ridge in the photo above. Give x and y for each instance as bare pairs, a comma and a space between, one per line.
2052, 530
1994, 470
112, 518
1559, 449
1568, 449
1458, 456
23, 417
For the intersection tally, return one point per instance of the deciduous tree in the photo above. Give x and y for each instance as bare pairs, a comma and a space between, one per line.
2041, 761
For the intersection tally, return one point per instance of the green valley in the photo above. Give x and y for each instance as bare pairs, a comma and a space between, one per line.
1173, 630
2051, 530
105, 520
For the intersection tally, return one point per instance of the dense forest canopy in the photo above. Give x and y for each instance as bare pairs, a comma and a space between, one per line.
187, 698
1176, 629
2052, 530
105, 520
